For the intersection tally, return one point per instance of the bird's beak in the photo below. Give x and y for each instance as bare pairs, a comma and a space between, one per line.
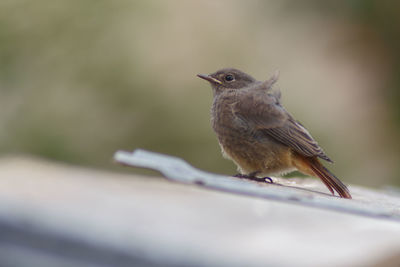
209, 78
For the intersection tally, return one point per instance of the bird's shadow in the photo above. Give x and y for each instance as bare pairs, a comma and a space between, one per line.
265, 182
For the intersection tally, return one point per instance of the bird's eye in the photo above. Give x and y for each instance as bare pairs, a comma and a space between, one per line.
229, 78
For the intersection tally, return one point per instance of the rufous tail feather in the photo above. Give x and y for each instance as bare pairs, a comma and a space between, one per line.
329, 179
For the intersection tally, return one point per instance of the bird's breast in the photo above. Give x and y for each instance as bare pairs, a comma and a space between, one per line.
233, 133
223, 119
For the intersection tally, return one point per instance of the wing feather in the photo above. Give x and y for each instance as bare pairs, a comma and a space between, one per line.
262, 111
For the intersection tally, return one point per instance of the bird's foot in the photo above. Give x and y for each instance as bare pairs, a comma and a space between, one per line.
252, 176
268, 180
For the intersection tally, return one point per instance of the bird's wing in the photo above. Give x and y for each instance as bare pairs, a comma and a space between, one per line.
263, 113
293, 134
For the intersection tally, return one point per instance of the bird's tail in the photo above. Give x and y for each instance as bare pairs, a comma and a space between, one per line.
329, 179
312, 166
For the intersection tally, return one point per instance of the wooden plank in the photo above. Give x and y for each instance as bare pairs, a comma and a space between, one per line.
57, 215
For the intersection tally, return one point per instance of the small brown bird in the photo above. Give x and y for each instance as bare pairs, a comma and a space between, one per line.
256, 132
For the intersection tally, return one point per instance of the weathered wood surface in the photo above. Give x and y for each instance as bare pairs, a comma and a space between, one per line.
58, 215
309, 192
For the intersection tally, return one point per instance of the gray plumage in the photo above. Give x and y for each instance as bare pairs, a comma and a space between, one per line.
258, 134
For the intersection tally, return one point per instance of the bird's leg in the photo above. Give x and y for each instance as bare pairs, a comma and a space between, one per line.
252, 176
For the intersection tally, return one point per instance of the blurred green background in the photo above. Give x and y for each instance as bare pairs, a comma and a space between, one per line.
82, 79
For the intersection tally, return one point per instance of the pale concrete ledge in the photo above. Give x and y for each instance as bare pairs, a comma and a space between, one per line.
58, 215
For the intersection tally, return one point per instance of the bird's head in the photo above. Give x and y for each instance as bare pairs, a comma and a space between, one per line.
228, 79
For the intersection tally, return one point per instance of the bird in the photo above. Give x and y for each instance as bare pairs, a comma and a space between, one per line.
259, 135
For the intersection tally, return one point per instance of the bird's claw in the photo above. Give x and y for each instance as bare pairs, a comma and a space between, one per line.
254, 178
